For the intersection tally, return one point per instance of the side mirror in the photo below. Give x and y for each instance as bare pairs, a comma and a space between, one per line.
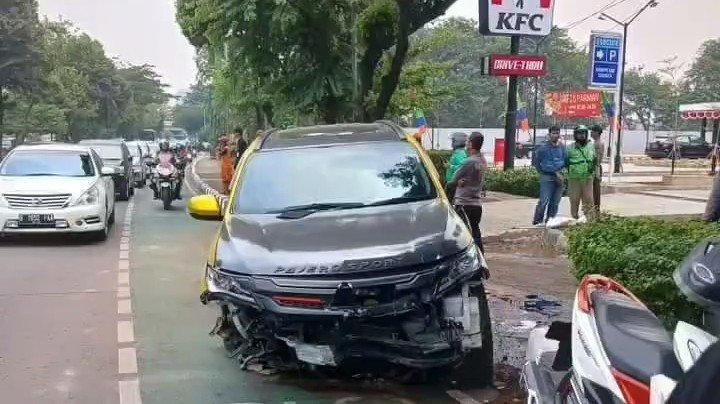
205, 207
107, 171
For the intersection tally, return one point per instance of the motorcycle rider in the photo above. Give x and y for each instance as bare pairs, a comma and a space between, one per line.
166, 156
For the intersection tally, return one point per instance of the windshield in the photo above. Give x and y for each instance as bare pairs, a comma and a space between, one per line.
108, 151
39, 163
356, 174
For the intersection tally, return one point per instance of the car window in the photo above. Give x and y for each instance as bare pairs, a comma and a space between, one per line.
48, 163
683, 139
697, 140
360, 173
108, 151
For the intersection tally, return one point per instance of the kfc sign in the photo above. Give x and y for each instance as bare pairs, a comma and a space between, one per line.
511, 65
516, 17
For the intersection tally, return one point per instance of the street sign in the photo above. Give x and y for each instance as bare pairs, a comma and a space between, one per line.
516, 17
514, 65
605, 60
574, 104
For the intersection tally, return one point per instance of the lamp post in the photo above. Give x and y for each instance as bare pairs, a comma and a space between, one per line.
536, 92
619, 119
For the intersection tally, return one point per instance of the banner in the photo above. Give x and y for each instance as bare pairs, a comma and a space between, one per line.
574, 104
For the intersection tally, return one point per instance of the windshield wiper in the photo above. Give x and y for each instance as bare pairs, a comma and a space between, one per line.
300, 211
401, 199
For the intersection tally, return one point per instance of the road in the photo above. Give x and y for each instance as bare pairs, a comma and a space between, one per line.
121, 322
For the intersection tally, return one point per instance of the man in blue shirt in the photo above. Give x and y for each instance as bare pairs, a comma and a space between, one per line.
550, 160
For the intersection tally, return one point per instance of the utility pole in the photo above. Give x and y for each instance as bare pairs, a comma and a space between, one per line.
511, 114
619, 119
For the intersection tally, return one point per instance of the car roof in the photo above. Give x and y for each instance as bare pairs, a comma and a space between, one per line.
53, 147
102, 141
320, 135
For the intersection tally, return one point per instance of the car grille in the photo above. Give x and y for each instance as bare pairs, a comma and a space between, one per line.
53, 201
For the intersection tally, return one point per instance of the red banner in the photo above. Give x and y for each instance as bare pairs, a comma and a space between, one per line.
574, 104
511, 65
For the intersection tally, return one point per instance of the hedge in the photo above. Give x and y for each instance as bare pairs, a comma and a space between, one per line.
641, 253
521, 181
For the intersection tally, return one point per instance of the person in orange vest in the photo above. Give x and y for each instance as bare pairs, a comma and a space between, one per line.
227, 162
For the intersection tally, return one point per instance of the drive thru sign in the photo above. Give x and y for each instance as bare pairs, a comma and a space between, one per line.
516, 17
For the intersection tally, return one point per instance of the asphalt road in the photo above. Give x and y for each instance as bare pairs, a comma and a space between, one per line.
58, 318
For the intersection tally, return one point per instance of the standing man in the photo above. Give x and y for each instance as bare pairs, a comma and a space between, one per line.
240, 146
581, 168
468, 183
550, 161
459, 155
596, 134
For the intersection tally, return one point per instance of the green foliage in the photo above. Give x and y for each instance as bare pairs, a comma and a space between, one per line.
440, 159
641, 254
521, 182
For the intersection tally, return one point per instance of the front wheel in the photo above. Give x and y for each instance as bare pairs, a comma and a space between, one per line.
124, 190
166, 196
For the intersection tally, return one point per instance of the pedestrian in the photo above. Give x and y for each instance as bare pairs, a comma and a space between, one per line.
468, 183
581, 166
227, 163
550, 161
596, 134
240, 145
459, 155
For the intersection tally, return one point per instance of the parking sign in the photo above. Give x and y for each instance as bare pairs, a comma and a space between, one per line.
605, 60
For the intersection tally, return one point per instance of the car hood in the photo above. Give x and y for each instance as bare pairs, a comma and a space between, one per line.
45, 185
342, 241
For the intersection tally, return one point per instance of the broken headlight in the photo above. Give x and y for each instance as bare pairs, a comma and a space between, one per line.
232, 284
461, 267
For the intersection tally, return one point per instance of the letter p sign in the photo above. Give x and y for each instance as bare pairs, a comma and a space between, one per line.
613, 55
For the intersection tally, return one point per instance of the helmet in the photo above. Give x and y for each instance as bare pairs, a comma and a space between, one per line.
698, 276
581, 129
458, 140
165, 145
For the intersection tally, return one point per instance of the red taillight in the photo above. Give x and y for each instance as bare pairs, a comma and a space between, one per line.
303, 302
594, 282
635, 392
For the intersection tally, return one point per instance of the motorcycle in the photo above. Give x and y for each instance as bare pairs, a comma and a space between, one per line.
167, 181
616, 350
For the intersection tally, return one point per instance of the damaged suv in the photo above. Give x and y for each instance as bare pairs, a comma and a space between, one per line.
338, 245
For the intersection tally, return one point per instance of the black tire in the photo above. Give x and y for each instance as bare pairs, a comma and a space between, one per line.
111, 218
100, 235
167, 197
125, 190
478, 367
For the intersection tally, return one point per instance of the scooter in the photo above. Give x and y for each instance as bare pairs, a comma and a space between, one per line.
616, 350
167, 180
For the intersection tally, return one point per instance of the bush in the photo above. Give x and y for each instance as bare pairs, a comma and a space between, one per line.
521, 181
641, 253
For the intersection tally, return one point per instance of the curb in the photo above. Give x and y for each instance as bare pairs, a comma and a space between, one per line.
204, 187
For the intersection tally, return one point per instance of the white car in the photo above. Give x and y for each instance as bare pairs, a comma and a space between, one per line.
56, 188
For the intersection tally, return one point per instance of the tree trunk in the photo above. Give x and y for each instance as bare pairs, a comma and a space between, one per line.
269, 115
259, 116
390, 80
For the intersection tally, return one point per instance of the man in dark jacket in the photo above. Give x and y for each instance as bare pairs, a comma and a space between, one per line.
241, 145
550, 160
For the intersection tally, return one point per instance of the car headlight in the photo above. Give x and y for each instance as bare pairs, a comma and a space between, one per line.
461, 267
234, 285
89, 197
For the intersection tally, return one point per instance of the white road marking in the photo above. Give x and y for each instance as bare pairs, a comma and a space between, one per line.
123, 265
125, 233
129, 391
461, 397
125, 239
124, 294
125, 332
124, 254
124, 278
127, 360
127, 229
124, 306
124, 247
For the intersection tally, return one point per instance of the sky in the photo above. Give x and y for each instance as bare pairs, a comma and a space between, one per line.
145, 31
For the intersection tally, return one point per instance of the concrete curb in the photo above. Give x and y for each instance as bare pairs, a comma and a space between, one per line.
204, 187
555, 239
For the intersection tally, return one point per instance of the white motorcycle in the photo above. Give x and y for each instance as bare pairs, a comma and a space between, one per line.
167, 180
616, 350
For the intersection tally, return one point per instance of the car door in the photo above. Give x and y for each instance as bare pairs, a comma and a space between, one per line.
107, 182
697, 147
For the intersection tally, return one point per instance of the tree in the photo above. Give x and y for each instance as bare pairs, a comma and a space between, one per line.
703, 77
18, 57
649, 99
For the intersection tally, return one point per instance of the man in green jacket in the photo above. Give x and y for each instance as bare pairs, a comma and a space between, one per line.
458, 158
581, 168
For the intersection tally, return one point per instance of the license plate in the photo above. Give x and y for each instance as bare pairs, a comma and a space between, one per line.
37, 219
165, 184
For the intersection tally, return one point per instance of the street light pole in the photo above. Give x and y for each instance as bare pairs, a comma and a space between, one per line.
619, 119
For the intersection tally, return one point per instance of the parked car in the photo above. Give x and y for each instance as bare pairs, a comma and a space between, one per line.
689, 146
525, 149
375, 264
56, 188
115, 154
